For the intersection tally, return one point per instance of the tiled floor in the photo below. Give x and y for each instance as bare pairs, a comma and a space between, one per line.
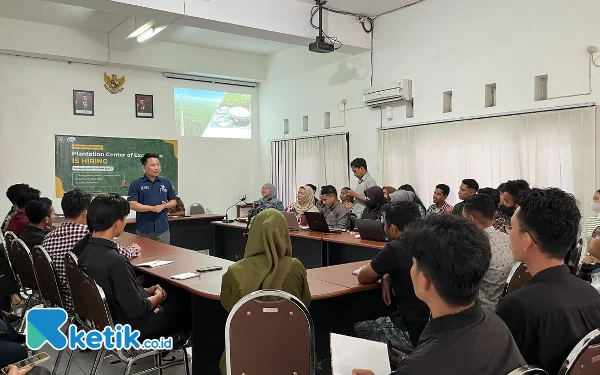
82, 364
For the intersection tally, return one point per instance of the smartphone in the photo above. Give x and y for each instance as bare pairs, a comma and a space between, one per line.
209, 269
33, 360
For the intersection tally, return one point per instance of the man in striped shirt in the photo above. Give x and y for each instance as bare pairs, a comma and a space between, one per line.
62, 240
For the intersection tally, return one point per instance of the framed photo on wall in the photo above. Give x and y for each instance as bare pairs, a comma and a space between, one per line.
144, 105
83, 103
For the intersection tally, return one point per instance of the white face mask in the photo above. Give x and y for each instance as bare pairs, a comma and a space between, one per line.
596, 207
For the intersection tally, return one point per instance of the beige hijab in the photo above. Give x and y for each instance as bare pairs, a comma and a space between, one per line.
308, 203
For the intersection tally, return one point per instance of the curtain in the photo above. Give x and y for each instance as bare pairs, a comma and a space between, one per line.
553, 148
316, 160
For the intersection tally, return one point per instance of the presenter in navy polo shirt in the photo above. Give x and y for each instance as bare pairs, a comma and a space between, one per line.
150, 197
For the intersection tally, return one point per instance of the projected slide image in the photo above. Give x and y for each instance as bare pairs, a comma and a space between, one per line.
212, 114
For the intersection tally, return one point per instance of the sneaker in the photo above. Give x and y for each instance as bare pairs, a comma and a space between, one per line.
17, 309
175, 356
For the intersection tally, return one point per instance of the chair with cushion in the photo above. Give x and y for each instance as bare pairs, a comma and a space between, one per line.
528, 370
197, 209
49, 291
584, 359
517, 277
90, 303
22, 265
284, 326
573, 256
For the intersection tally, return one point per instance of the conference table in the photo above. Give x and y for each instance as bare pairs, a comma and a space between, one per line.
338, 300
313, 249
190, 232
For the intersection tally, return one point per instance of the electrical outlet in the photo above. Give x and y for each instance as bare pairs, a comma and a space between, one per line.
592, 49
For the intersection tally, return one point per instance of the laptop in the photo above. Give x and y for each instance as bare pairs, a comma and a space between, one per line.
317, 223
292, 221
371, 230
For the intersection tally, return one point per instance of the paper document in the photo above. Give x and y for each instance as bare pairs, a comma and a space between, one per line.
349, 353
155, 263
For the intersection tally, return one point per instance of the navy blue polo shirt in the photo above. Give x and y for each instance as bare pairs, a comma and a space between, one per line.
151, 193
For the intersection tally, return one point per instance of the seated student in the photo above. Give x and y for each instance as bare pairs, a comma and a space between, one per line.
554, 310
347, 200
514, 191
392, 265
11, 353
468, 188
40, 214
305, 203
493, 193
589, 226
336, 214
178, 209
129, 302
268, 200
267, 264
375, 200
129, 252
416, 199
60, 241
450, 257
11, 194
479, 209
20, 221
387, 190
440, 195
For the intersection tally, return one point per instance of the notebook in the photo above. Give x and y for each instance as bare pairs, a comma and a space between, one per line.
348, 353
155, 263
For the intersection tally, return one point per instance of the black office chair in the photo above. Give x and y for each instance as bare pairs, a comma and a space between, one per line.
197, 209
518, 276
584, 359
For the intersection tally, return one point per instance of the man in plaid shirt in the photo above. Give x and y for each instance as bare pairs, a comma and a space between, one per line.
440, 195
62, 240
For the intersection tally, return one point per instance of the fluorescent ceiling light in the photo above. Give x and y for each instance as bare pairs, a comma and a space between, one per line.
140, 30
149, 34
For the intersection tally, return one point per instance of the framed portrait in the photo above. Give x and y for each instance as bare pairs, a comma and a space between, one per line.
144, 106
83, 103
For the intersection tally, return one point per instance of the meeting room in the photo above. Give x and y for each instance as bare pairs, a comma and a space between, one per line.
346, 187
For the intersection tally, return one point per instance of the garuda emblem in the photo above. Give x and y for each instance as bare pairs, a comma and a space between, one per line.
114, 84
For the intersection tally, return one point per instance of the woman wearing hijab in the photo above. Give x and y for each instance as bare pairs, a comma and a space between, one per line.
305, 203
267, 264
268, 200
375, 201
415, 199
387, 190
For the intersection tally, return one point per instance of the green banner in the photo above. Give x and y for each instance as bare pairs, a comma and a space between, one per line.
107, 165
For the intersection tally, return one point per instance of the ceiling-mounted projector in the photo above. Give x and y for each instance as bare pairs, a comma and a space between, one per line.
320, 45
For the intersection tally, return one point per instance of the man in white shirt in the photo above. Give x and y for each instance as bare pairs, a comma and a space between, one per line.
365, 181
479, 209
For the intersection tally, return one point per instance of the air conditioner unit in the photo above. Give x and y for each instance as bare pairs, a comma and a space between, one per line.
388, 93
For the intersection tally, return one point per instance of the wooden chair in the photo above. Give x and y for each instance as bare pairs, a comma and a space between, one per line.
267, 322
517, 277
49, 292
573, 256
90, 303
197, 209
584, 359
528, 370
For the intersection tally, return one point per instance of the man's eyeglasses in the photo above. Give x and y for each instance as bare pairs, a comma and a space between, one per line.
508, 228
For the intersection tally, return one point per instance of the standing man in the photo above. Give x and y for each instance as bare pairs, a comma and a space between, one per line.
468, 188
440, 195
150, 197
365, 181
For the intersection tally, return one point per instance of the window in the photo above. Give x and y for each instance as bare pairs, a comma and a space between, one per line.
212, 114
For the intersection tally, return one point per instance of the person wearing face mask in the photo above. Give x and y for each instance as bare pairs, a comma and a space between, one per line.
514, 191
590, 224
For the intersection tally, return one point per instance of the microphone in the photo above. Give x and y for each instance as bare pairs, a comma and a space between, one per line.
226, 219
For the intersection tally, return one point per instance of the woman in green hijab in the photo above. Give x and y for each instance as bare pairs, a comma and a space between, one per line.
267, 264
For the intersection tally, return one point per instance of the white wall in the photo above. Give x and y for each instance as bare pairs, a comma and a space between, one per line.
442, 45
36, 104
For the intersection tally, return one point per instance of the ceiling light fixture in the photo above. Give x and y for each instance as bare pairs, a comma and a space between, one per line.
149, 34
140, 30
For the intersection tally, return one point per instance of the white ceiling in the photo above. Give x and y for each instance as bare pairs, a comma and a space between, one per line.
365, 7
60, 14
46, 12
192, 36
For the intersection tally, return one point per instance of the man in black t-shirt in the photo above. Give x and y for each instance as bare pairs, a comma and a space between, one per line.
392, 265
